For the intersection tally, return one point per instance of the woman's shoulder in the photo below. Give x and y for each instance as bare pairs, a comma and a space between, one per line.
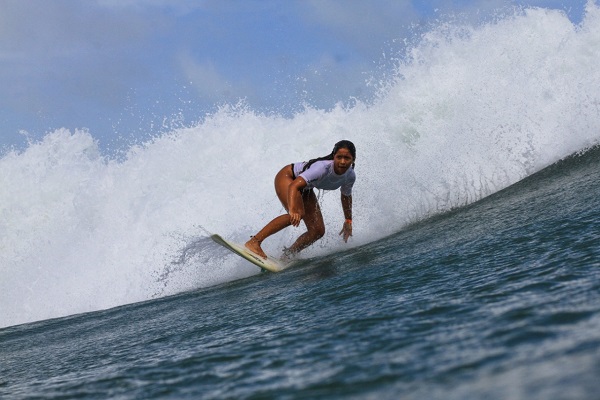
323, 165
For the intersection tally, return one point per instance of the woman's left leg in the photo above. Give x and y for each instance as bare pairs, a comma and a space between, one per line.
283, 180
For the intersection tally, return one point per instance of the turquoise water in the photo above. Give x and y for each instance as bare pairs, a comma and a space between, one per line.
496, 300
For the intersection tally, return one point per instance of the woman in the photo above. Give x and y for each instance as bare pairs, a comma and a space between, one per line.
294, 186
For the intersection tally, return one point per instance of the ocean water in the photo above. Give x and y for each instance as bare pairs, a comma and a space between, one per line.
474, 271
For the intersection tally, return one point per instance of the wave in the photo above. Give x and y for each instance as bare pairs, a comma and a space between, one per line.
468, 111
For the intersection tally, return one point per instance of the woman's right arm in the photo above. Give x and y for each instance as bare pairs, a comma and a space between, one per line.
295, 200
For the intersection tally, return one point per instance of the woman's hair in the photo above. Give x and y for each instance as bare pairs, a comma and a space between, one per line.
342, 144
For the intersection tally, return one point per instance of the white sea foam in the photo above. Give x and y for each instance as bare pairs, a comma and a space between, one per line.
468, 112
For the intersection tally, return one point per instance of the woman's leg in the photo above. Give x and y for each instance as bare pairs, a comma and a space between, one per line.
313, 219
283, 179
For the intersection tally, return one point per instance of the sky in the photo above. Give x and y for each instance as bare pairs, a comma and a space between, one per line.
126, 69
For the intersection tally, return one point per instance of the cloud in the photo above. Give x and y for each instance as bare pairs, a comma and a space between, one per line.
206, 79
62, 28
367, 25
61, 56
68, 62
175, 7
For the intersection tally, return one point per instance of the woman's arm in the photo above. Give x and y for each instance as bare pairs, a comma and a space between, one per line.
347, 208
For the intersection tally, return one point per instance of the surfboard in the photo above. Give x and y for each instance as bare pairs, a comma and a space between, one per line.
269, 264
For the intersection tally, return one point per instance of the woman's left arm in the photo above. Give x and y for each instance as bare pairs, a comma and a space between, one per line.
347, 208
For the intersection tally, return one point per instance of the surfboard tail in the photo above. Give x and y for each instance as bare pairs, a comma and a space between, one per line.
269, 264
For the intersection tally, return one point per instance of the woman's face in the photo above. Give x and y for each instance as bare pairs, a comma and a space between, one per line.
342, 160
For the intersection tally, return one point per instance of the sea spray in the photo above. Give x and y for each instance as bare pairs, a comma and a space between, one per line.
469, 111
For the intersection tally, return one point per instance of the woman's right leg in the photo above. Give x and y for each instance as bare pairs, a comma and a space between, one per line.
283, 179
313, 219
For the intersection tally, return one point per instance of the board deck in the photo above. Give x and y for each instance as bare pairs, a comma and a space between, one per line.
270, 264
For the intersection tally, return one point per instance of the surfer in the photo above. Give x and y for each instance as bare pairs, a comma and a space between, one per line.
294, 186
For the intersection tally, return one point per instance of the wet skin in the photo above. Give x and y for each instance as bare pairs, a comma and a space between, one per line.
303, 206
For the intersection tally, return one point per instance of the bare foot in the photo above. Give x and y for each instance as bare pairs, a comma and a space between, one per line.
254, 246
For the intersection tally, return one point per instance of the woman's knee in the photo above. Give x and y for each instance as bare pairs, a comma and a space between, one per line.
317, 231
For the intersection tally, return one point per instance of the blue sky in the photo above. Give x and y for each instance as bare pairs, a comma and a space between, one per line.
123, 67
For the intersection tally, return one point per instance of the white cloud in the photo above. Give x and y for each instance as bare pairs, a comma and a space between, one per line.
56, 55
57, 28
368, 25
178, 7
89, 60
211, 85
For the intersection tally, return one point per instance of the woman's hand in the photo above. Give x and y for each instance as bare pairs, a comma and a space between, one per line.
295, 218
346, 231
295, 204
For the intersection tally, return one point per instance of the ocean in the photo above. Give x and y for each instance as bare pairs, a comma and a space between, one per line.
474, 270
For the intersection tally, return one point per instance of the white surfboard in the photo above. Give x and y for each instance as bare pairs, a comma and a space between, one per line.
269, 264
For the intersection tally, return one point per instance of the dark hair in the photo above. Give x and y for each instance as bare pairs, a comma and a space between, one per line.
342, 144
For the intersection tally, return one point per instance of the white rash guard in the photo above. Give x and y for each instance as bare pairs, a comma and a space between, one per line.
321, 175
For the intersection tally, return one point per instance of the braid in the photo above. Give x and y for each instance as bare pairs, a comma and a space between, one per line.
344, 144
314, 160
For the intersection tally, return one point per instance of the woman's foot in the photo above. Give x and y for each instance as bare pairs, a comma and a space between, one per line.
254, 246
